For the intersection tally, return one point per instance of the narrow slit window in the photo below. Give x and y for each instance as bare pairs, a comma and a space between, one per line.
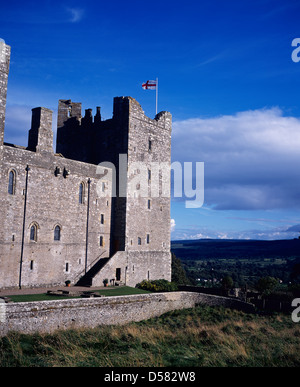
150, 145
31, 265
101, 241
57, 233
149, 204
139, 241
81, 190
102, 219
11, 182
148, 239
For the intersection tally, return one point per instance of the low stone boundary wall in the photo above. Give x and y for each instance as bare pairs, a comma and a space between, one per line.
48, 316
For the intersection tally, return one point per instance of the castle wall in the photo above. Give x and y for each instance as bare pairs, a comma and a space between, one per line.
40, 191
52, 200
136, 266
141, 210
4, 70
148, 194
49, 316
40, 136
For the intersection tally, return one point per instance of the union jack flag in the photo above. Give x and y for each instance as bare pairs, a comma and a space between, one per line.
149, 85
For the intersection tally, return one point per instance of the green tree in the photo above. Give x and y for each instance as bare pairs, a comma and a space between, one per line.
227, 284
295, 274
178, 273
266, 285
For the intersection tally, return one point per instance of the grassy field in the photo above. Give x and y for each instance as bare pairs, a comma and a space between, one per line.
202, 336
245, 261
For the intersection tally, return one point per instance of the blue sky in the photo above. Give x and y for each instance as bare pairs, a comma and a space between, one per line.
225, 73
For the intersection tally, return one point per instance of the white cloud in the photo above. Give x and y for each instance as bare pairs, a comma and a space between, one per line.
251, 158
76, 14
173, 224
259, 234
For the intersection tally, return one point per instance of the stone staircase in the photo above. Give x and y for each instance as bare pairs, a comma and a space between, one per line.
87, 279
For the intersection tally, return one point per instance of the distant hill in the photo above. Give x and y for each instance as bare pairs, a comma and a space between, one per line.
235, 248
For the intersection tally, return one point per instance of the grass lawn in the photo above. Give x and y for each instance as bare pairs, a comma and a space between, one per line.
121, 291
114, 291
199, 337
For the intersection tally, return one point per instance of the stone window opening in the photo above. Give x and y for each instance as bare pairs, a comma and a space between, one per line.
31, 265
139, 241
57, 233
12, 182
148, 239
102, 218
101, 241
81, 193
67, 267
150, 145
33, 232
118, 274
149, 204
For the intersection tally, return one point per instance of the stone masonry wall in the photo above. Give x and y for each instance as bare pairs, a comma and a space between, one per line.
52, 200
49, 316
4, 70
136, 266
140, 223
45, 191
148, 193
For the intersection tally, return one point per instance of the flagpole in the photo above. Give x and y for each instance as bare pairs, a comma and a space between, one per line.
156, 94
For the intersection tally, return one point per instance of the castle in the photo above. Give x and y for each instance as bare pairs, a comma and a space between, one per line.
78, 214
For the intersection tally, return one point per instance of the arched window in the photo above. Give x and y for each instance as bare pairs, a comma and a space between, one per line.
12, 182
33, 233
81, 193
57, 232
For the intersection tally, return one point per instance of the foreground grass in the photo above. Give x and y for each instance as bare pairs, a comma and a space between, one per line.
203, 336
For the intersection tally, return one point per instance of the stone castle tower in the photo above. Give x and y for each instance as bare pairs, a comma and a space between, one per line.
4, 69
95, 209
